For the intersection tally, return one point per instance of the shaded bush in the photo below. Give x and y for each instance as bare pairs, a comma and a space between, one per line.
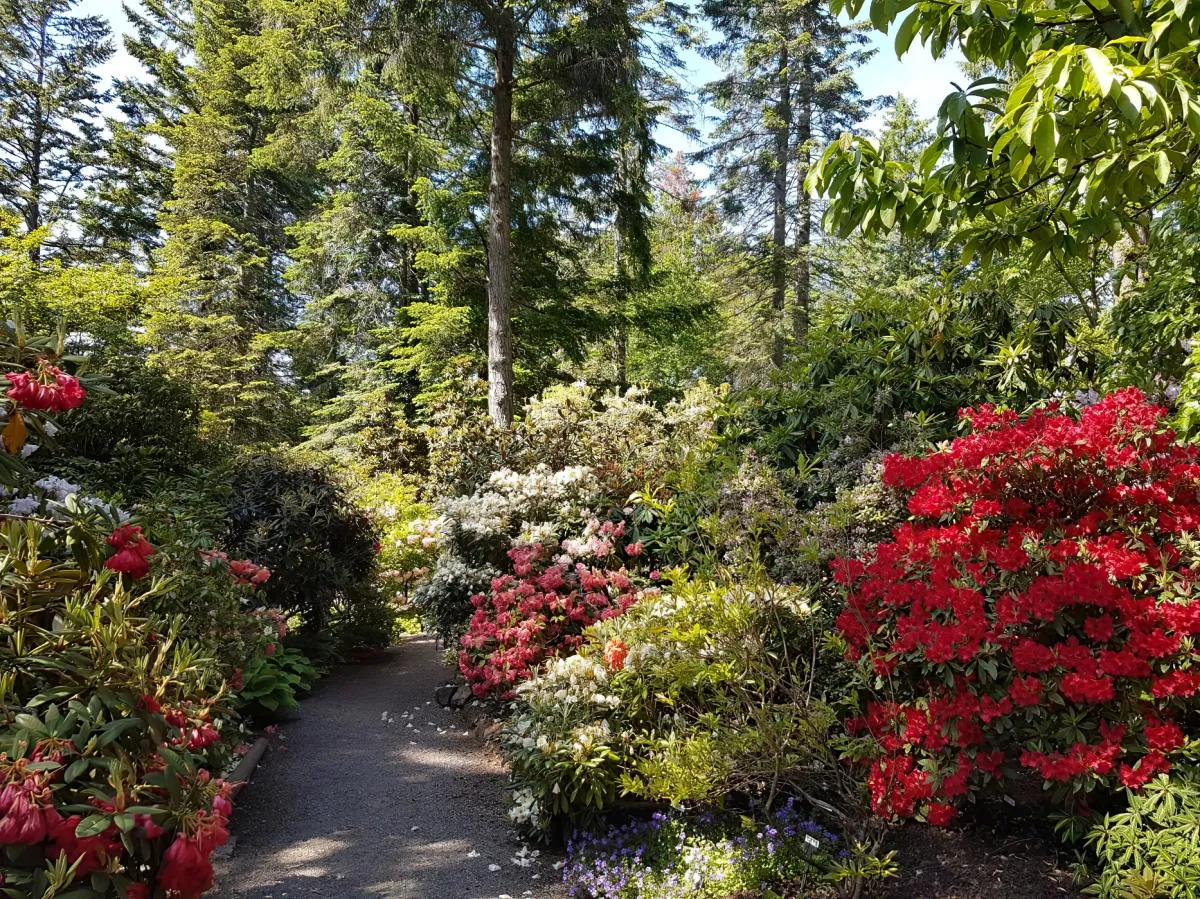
300, 524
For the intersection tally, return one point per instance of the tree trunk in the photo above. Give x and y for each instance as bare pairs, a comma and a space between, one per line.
800, 312
500, 340
1128, 246
783, 128
620, 334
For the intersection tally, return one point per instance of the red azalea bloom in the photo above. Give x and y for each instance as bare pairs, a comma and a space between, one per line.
138, 891
1034, 569
940, 814
149, 704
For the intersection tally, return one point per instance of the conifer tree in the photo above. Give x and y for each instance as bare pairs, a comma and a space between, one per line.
50, 99
788, 88
220, 291
558, 85
133, 174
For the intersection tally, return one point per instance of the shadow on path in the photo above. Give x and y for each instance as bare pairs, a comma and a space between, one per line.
354, 808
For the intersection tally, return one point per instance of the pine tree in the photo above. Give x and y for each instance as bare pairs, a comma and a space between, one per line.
788, 88
221, 290
50, 101
132, 180
559, 85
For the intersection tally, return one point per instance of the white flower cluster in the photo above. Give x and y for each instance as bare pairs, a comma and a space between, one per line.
430, 533
542, 498
55, 497
565, 716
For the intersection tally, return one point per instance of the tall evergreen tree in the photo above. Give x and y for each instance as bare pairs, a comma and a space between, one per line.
221, 291
50, 98
121, 207
788, 88
546, 75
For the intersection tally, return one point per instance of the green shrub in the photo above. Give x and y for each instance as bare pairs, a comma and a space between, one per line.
270, 683
301, 525
1150, 850
698, 694
140, 421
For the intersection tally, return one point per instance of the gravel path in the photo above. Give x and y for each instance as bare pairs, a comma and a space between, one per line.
356, 808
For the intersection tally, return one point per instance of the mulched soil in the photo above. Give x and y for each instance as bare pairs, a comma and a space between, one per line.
1006, 859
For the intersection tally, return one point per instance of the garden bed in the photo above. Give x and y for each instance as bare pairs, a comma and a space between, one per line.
1002, 861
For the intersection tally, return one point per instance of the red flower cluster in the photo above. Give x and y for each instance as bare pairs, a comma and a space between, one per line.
1041, 575
50, 390
133, 551
243, 571
187, 864
539, 613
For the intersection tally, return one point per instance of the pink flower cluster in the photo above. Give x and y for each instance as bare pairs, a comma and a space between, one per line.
29, 817
539, 612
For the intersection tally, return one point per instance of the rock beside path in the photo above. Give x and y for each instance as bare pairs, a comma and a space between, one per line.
358, 804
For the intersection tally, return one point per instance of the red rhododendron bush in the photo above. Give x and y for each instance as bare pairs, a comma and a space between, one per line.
1039, 612
540, 611
113, 725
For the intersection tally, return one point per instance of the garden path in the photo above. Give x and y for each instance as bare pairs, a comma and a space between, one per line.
351, 807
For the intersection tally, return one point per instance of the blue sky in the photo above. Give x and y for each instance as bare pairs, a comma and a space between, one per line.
918, 76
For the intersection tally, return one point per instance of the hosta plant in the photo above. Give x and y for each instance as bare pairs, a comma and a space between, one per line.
1037, 615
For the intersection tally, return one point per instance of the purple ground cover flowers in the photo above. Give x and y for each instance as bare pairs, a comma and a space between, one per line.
672, 855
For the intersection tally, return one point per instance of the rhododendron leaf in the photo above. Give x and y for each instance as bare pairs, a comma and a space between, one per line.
114, 729
15, 434
76, 768
92, 825
32, 723
43, 766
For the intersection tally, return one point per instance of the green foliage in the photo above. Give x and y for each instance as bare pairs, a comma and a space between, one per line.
140, 421
1148, 851
300, 524
1095, 124
702, 693
886, 369
270, 682
102, 303
1156, 321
